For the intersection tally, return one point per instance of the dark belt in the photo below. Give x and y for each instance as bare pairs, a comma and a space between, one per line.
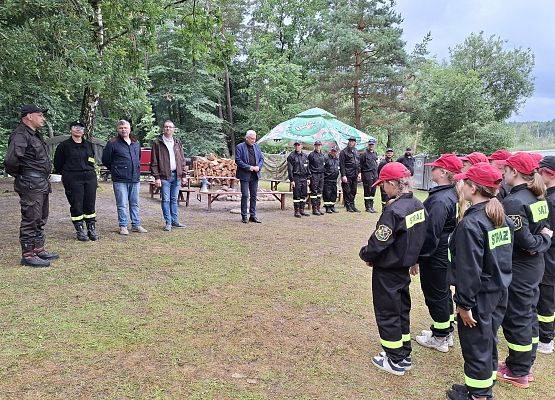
35, 174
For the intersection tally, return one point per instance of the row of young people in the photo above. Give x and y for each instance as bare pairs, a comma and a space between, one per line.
498, 257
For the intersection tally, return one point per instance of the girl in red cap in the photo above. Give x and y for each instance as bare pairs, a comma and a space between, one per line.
546, 304
473, 159
529, 211
392, 249
497, 159
481, 249
433, 262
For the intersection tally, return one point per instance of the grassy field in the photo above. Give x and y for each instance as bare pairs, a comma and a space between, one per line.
220, 310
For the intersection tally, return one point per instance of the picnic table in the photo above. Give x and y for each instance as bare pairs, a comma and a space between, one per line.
214, 194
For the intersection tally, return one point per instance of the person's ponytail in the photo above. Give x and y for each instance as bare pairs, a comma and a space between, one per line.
535, 184
495, 212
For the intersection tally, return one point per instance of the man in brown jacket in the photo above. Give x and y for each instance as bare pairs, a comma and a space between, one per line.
167, 165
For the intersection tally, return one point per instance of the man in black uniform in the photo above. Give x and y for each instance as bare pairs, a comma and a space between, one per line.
407, 160
298, 173
387, 159
369, 173
349, 165
331, 173
74, 160
316, 165
27, 160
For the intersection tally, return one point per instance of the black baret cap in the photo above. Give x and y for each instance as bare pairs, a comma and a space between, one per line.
76, 123
548, 162
389, 150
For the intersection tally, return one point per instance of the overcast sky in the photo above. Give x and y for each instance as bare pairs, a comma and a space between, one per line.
522, 23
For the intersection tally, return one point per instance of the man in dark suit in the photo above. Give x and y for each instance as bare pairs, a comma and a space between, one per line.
249, 160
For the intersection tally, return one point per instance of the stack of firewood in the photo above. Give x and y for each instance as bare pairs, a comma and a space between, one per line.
262, 195
211, 166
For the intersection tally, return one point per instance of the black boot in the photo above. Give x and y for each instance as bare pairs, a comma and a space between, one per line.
318, 208
314, 209
366, 205
353, 208
372, 210
80, 231
328, 210
301, 210
333, 210
45, 255
348, 207
30, 259
297, 212
91, 230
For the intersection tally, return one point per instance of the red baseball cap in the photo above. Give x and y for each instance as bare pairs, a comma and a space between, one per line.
483, 174
392, 171
500, 155
475, 158
523, 162
537, 156
450, 162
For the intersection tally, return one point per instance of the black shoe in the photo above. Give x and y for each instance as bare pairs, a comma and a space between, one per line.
244, 220
255, 220
91, 231
354, 209
328, 210
333, 210
34, 262
459, 388
348, 208
80, 232
454, 395
372, 211
178, 225
45, 255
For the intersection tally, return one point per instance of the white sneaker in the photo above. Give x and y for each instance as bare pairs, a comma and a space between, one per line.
385, 364
450, 337
432, 342
545, 348
406, 363
139, 229
123, 230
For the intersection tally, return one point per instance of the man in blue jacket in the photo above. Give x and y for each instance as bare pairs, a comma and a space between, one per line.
249, 160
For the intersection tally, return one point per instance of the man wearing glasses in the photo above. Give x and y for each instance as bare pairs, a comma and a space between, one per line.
27, 160
167, 165
74, 160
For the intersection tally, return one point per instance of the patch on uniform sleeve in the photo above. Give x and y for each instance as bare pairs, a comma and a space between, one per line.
383, 233
517, 220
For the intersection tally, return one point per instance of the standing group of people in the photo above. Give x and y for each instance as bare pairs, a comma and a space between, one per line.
484, 229
27, 159
323, 170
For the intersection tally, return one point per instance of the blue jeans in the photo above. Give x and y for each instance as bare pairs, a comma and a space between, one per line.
249, 190
127, 195
170, 191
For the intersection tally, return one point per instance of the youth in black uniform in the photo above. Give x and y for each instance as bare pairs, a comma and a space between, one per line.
434, 264
27, 160
369, 174
481, 250
532, 239
497, 159
74, 160
298, 173
546, 304
331, 173
316, 165
407, 160
391, 250
387, 159
349, 165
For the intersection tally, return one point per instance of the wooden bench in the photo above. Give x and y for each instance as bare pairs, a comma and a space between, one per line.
184, 193
212, 196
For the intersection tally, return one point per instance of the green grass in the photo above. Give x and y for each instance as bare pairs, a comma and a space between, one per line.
220, 310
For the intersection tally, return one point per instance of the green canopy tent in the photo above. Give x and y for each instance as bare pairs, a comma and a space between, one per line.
316, 124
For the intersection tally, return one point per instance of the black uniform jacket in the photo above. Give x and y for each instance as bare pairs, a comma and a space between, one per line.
316, 162
349, 162
481, 256
297, 165
504, 191
399, 234
27, 153
550, 254
74, 157
441, 206
383, 162
529, 216
369, 162
407, 161
331, 168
